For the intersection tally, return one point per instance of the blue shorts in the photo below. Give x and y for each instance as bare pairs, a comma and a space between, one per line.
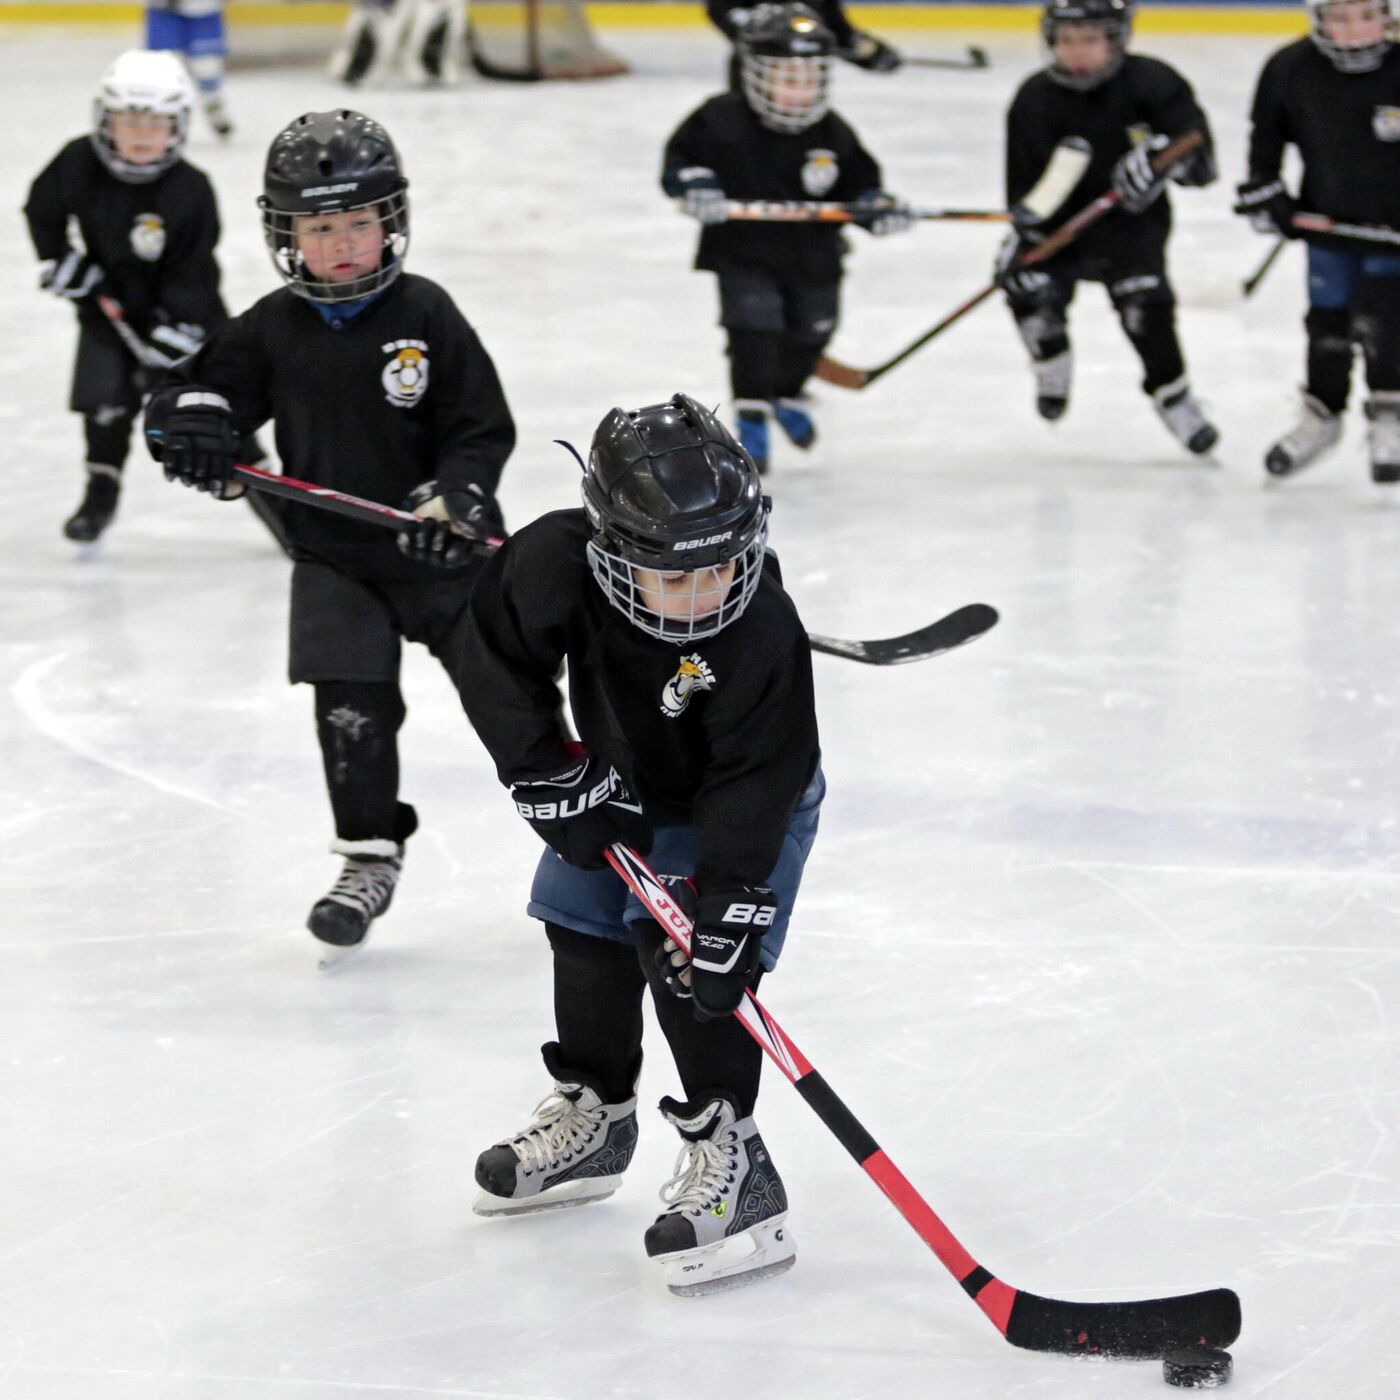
192, 35
1333, 272
596, 902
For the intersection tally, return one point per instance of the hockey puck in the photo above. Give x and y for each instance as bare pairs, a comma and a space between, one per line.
1197, 1368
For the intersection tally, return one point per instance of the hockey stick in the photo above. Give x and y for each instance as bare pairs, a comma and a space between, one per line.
147, 356
959, 627
1362, 233
848, 377
1251, 284
812, 211
976, 58
1141, 1328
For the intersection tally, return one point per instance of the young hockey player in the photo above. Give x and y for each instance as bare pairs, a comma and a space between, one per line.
779, 283
1125, 107
852, 44
148, 225
1335, 95
423, 37
378, 387
690, 685
195, 30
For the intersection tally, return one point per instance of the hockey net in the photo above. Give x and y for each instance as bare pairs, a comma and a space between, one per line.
525, 40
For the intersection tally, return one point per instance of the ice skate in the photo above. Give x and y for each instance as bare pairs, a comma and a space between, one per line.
795, 421
1052, 381
574, 1152
218, 118
1383, 435
753, 430
1318, 430
1178, 409
362, 893
98, 506
725, 1223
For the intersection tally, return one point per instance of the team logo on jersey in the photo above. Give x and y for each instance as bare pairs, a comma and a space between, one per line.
148, 237
1385, 122
820, 172
693, 674
405, 377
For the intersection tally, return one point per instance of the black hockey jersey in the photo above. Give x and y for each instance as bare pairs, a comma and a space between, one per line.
826, 161
155, 241
401, 394
1145, 96
1346, 127
732, 751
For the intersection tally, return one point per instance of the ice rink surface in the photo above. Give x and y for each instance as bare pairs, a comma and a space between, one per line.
1099, 938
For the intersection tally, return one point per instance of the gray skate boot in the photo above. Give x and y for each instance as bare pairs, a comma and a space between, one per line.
1317, 431
725, 1223
1178, 409
362, 893
574, 1152
1383, 435
1052, 381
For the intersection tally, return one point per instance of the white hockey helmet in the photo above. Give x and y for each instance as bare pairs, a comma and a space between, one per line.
1353, 55
146, 81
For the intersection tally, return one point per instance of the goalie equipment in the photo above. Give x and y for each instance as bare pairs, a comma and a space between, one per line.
529, 40
1113, 17
784, 56
1362, 45
1317, 431
574, 1151
333, 163
144, 83
679, 520
725, 1222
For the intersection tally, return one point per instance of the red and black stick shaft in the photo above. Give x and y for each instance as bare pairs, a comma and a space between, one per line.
1139, 1328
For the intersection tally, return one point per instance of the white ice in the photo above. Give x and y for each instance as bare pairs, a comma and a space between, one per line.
1099, 939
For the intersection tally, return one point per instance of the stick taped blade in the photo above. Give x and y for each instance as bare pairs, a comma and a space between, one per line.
1146, 1328
843, 376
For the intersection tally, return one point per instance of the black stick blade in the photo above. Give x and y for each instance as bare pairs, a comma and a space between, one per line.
957, 628
1146, 1328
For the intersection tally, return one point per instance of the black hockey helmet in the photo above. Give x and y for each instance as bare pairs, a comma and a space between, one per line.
679, 520
333, 163
1363, 57
1113, 17
785, 65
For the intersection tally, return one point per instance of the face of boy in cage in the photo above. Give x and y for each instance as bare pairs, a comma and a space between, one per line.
1355, 24
340, 247
683, 597
1083, 50
140, 138
795, 84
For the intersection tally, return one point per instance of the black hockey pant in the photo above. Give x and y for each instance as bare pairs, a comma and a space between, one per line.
777, 331
1141, 295
598, 987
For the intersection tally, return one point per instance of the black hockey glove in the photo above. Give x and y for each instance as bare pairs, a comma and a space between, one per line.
701, 195
581, 810
1268, 207
881, 213
724, 948
454, 525
1134, 181
873, 54
1024, 282
189, 431
71, 277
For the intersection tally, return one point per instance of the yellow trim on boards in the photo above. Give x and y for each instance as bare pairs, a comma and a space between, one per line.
1165, 19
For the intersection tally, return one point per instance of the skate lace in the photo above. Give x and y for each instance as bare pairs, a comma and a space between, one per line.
702, 1171
560, 1129
365, 885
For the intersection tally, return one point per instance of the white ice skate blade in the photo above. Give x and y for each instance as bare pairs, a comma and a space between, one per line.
569, 1193
334, 955
763, 1251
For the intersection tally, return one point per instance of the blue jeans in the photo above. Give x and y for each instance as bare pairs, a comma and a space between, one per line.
1333, 273
596, 902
